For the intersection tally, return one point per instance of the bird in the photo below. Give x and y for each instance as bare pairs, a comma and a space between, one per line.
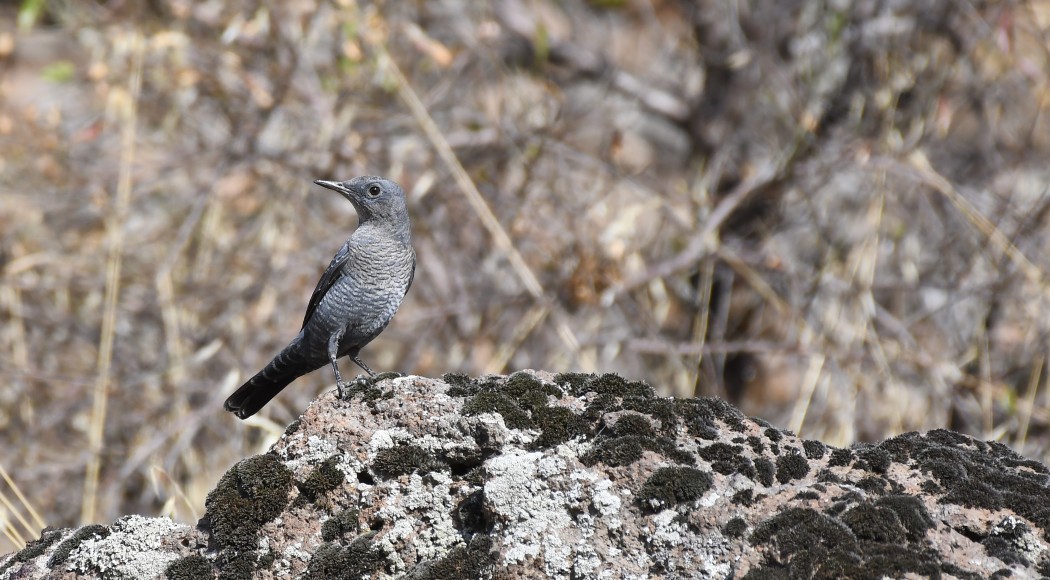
354, 300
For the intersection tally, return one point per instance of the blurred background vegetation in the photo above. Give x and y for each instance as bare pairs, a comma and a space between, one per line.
832, 213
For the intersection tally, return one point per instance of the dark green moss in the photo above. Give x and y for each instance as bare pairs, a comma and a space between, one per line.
531, 400
807, 495
340, 524
662, 410
766, 573
814, 449
912, 513
490, 402
402, 460
1005, 551
725, 467
322, 480
35, 547
460, 385
522, 384
701, 416
615, 452
735, 528
599, 406
974, 494
670, 486
615, 385
773, 435
827, 476
193, 567
632, 424
799, 529
293, 427
804, 540
873, 459
744, 497
756, 443
840, 458
238, 566
471, 562
63, 550
877, 561
334, 562
873, 484
558, 425
791, 466
247, 496
765, 471
951, 438
720, 452
901, 447
959, 573
746, 468
878, 524
572, 382
625, 450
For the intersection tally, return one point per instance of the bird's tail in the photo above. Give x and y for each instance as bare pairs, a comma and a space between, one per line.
253, 395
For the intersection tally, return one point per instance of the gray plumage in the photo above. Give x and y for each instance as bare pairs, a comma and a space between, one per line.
355, 298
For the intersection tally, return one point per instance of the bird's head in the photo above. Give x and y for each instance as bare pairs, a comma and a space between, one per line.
374, 198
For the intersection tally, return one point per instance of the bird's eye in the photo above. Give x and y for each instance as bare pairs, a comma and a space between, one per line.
373, 190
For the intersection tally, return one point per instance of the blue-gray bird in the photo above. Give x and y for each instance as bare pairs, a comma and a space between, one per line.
355, 298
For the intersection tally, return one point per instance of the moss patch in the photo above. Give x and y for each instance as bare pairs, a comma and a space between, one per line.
340, 524
334, 562
404, 459
814, 449
66, 547
475, 560
558, 425
765, 471
35, 547
671, 486
322, 480
701, 416
247, 496
735, 528
192, 567
489, 402
791, 466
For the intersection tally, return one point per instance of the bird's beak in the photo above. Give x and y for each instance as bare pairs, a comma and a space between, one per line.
333, 185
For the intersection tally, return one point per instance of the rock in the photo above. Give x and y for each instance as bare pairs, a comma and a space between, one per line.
584, 476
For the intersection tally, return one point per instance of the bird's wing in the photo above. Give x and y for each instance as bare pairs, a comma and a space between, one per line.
327, 279
412, 274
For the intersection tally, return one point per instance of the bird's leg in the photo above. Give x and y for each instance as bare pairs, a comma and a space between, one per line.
362, 364
333, 354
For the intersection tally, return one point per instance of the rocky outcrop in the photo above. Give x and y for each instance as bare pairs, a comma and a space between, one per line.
581, 476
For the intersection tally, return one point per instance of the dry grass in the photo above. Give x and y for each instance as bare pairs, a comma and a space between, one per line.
833, 214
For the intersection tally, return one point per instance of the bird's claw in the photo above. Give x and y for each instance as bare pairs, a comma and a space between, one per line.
341, 388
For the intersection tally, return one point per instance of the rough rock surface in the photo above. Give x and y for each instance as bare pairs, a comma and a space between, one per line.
577, 476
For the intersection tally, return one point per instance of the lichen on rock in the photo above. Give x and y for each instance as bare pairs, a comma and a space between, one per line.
577, 475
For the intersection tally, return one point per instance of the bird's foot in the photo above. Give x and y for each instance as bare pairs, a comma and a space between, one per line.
341, 387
